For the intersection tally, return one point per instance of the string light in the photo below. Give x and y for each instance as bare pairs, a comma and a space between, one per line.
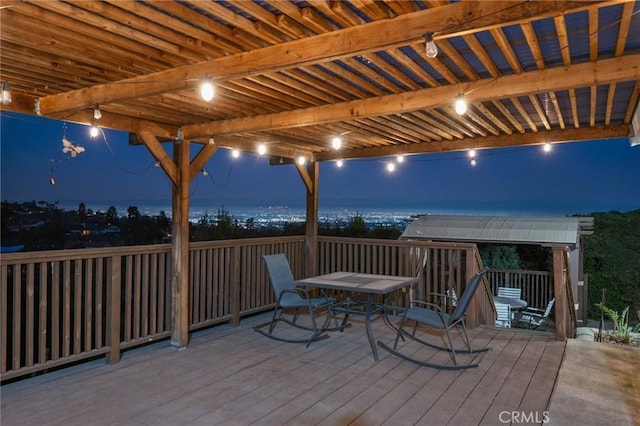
400, 158
391, 167
460, 105
207, 90
97, 114
212, 141
262, 149
430, 46
94, 131
235, 153
472, 153
301, 160
336, 142
473, 162
339, 163
5, 95
546, 147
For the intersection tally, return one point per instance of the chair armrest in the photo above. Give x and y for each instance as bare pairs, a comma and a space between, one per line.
533, 311
436, 307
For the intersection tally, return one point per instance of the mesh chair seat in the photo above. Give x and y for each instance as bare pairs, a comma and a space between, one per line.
433, 315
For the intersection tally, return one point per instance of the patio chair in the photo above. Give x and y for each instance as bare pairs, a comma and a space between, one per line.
503, 315
435, 316
512, 293
290, 300
533, 318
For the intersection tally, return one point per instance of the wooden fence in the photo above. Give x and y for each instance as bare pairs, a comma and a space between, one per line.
61, 307
536, 286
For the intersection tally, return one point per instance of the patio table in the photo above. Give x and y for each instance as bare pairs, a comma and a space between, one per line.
367, 284
516, 304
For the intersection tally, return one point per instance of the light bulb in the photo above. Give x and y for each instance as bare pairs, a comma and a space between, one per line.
473, 162
339, 163
472, 153
546, 147
391, 167
205, 173
400, 158
235, 153
97, 114
5, 95
262, 149
336, 142
430, 46
207, 91
460, 105
301, 160
94, 131
212, 141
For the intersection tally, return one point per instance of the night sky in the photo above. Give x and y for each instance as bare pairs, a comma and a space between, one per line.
582, 177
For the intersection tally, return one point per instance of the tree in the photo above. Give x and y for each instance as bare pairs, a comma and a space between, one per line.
112, 215
500, 256
82, 212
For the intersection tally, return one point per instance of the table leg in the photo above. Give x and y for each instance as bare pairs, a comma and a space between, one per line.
367, 320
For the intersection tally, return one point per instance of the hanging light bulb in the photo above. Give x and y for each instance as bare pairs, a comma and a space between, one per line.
339, 163
5, 95
460, 105
430, 46
301, 160
473, 162
400, 158
391, 167
205, 173
262, 149
97, 114
336, 142
207, 90
212, 141
235, 153
546, 147
471, 153
94, 131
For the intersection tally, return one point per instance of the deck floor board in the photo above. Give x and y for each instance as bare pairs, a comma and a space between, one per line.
235, 376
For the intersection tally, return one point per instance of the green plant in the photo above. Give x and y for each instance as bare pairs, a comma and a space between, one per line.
621, 333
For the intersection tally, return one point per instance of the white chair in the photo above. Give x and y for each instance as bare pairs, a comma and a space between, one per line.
534, 318
512, 293
503, 315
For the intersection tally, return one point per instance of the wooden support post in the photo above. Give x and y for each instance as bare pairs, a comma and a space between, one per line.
113, 309
310, 178
180, 249
560, 293
234, 264
473, 312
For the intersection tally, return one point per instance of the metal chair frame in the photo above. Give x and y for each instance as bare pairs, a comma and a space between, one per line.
434, 315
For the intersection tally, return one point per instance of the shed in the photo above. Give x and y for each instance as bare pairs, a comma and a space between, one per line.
557, 232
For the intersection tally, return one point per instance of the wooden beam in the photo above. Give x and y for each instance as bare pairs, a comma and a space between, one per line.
517, 139
200, 160
306, 178
588, 74
447, 21
159, 153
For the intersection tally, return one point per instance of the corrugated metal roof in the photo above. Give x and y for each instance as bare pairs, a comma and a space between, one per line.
507, 229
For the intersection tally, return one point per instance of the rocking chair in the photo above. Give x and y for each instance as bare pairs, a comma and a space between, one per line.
434, 315
291, 299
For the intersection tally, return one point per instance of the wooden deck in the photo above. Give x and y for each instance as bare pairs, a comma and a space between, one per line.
234, 376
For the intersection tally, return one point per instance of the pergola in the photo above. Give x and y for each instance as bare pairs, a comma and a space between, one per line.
296, 74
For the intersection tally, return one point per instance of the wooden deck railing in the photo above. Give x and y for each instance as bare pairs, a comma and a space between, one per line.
61, 307
536, 286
